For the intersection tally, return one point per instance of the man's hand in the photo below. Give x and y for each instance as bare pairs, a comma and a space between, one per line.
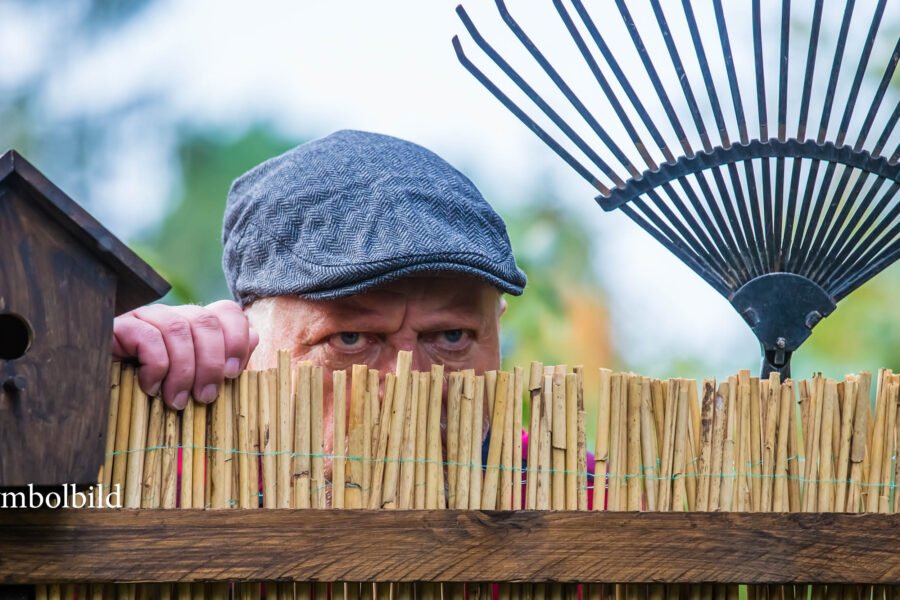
185, 350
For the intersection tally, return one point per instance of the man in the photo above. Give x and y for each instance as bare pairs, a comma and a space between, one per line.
344, 250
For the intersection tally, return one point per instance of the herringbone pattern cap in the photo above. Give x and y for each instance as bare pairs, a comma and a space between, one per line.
353, 210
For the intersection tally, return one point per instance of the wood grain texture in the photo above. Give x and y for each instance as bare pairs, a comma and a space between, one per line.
84, 546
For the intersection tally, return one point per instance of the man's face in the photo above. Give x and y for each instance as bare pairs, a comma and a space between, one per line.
449, 320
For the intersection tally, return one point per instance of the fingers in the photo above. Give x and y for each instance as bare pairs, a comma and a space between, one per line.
178, 340
236, 336
185, 350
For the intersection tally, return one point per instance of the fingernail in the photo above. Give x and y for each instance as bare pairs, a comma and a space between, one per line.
180, 401
232, 368
209, 393
154, 389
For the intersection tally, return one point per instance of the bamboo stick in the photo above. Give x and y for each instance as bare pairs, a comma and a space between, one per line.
242, 410
490, 387
268, 438
339, 440
477, 440
768, 466
454, 400
464, 452
152, 475
634, 484
728, 468
534, 394
123, 428
756, 436
877, 445
137, 441
506, 452
518, 390
718, 446
285, 420
370, 436
491, 477
601, 457
795, 451
858, 444
848, 406
558, 438
301, 465
359, 383
785, 405
571, 452
618, 459
706, 441
171, 435
545, 457
376, 497
217, 472
745, 435
891, 385
424, 384
112, 417
658, 401
408, 448
186, 498
649, 450
580, 441
826, 486
812, 459
395, 440
679, 492
317, 438
253, 431
693, 447
434, 469
667, 452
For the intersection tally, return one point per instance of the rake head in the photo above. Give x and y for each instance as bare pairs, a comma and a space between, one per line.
783, 227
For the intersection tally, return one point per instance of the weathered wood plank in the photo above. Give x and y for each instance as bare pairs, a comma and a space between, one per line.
324, 545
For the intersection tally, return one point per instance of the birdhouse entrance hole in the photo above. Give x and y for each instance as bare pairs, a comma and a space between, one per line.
15, 337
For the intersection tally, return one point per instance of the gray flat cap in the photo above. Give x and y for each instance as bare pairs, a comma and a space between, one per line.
354, 210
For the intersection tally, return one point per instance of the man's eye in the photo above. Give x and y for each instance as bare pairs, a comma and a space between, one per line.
349, 341
453, 335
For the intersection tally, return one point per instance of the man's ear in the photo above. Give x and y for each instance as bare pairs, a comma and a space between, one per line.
501, 306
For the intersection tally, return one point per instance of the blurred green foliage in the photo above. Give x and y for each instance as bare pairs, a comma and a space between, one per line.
186, 246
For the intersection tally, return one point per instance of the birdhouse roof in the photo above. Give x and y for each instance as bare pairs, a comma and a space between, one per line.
137, 282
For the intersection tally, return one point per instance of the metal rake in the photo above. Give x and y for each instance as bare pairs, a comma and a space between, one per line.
783, 227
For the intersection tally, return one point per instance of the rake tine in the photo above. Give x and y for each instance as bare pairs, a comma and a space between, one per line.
810, 68
781, 225
806, 245
616, 69
879, 96
807, 225
824, 242
536, 98
564, 88
804, 222
888, 129
738, 258
852, 232
736, 224
786, 245
682, 77
867, 226
835, 69
528, 121
704, 250
654, 78
683, 255
769, 219
891, 254
860, 71
610, 94
749, 172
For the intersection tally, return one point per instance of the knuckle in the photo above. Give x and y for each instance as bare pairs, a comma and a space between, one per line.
178, 329
207, 321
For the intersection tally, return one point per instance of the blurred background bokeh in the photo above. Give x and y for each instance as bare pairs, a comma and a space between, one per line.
145, 111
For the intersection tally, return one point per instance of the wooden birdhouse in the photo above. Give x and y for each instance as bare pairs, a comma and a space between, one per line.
63, 278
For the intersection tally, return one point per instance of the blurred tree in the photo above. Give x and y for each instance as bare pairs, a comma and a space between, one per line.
186, 247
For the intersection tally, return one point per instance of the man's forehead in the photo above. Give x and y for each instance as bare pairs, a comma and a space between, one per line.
437, 291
